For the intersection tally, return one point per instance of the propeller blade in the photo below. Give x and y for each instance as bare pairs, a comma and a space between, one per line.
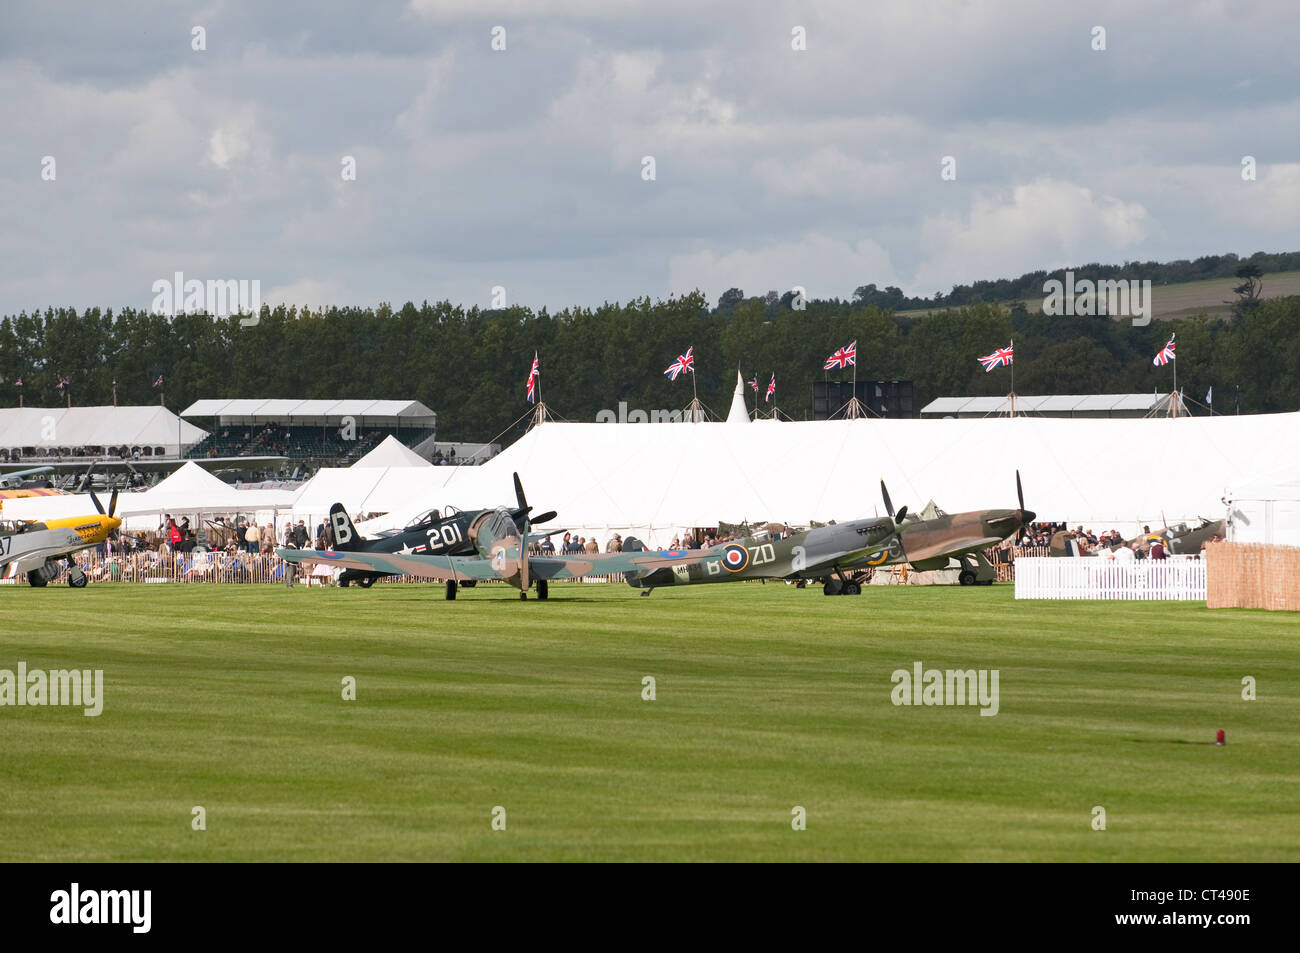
544, 517
519, 494
112, 502
902, 515
98, 505
1020, 493
889, 507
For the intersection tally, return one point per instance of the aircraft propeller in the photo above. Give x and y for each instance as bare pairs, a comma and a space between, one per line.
889, 505
524, 508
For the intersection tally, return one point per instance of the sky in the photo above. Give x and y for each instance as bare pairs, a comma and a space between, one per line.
791, 144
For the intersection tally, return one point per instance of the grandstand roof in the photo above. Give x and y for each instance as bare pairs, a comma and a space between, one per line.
95, 426
1055, 405
366, 412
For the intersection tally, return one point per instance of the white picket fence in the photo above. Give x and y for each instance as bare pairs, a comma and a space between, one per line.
1179, 578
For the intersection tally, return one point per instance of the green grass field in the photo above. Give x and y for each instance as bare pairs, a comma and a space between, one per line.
229, 697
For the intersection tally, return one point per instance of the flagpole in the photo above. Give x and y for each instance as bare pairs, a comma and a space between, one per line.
1013, 377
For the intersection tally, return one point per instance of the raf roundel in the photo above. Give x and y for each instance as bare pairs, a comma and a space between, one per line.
735, 558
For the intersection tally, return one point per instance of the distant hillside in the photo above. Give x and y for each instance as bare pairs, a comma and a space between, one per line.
1028, 287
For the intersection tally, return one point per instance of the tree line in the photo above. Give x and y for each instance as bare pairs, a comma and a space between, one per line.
470, 365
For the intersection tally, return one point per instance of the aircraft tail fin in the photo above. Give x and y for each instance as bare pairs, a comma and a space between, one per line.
346, 537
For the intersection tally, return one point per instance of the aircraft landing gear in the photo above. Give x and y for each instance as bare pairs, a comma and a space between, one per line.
966, 578
832, 586
36, 579
77, 578
451, 589
365, 582
839, 585
852, 589
543, 589
523, 595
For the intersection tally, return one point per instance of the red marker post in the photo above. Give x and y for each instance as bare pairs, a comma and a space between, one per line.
1219, 738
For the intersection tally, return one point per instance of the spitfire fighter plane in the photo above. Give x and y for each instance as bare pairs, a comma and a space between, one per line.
930, 539
37, 548
824, 553
1179, 539
448, 532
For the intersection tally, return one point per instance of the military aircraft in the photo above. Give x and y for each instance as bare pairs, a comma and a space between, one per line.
448, 532
930, 539
1179, 539
824, 552
37, 548
500, 553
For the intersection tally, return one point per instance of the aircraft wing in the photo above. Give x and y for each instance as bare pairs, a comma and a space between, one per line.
608, 564
951, 547
423, 567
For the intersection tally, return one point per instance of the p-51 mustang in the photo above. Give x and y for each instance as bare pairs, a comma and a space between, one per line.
448, 532
37, 548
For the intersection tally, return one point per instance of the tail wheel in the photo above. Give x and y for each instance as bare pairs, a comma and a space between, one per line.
543, 589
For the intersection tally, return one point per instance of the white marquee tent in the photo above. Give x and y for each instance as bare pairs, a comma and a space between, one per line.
656, 479
47, 428
1267, 508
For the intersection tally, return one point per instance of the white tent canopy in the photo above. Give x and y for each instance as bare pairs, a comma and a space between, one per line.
48, 428
656, 479
1266, 509
391, 452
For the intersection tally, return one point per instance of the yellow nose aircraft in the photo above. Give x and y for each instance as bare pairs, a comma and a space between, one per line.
37, 548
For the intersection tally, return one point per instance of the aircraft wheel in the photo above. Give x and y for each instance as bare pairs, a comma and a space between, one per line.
523, 595
469, 583
543, 589
78, 580
344, 582
365, 582
36, 579
801, 584
852, 589
451, 589
967, 578
832, 586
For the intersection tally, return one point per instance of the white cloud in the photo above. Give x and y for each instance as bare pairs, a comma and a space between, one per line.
825, 266
1040, 225
232, 140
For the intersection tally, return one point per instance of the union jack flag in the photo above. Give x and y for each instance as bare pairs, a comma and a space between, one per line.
1166, 354
63, 382
532, 380
684, 362
771, 389
844, 357
1002, 357
158, 382
753, 383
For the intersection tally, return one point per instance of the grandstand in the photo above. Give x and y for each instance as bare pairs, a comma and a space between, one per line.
310, 432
